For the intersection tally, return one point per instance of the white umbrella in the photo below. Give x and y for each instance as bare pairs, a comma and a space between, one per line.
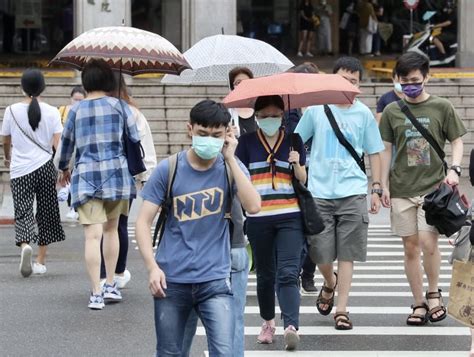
213, 57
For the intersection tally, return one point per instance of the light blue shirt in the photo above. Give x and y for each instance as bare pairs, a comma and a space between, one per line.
333, 172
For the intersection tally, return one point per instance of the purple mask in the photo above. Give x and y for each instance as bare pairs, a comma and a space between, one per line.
412, 90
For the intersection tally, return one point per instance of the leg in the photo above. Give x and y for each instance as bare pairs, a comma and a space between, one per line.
23, 198
308, 269
411, 246
171, 315
111, 248
215, 307
310, 43
41, 257
93, 234
239, 278
303, 35
289, 244
344, 270
123, 243
189, 332
439, 45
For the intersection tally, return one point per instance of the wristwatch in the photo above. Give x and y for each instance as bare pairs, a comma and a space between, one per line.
378, 191
457, 169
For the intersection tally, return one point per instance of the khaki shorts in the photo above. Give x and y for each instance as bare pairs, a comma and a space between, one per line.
98, 211
408, 217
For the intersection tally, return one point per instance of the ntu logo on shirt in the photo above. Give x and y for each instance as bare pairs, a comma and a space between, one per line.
199, 204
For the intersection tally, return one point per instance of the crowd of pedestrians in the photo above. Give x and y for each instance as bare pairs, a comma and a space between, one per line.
234, 183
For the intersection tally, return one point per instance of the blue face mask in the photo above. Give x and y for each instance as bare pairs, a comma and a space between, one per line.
398, 87
207, 147
269, 125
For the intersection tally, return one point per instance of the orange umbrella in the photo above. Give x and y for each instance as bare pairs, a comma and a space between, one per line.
297, 89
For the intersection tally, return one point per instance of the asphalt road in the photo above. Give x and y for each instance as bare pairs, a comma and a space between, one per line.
48, 315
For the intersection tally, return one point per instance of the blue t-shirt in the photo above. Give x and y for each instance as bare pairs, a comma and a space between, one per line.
386, 99
196, 245
333, 172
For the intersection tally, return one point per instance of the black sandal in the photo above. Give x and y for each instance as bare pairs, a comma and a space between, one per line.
323, 301
436, 295
342, 321
421, 319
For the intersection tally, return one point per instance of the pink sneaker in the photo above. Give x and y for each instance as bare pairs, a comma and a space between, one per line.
291, 338
266, 334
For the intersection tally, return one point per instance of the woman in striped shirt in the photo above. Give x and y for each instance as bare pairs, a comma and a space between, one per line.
276, 232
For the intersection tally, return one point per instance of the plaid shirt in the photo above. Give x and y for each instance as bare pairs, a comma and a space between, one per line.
95, 128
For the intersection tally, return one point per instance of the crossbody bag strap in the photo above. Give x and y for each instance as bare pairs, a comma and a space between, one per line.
230, 197
342, 140
25, 134
424, 132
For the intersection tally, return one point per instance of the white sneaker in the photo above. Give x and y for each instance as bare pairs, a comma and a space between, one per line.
299, 54
123, 280
39, 268
96, 302
72, 215
291, 338
25, 261
309, 54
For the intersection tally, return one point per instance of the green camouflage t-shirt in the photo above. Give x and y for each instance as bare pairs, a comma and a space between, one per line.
416, 167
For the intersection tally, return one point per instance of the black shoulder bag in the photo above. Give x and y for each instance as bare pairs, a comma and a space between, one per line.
425, 133
342, 140
312, 221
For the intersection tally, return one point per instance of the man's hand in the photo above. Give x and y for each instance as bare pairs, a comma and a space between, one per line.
386, 202
157, 283
294, 157
452, 178
64, 178
374, 203
230, 145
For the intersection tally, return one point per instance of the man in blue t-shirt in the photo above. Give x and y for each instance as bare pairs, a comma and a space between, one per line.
340, 187
192, 266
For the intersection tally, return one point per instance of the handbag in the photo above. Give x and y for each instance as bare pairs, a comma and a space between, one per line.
461, 244
373, 25
312, 221
342, 140
461, 291
134, 153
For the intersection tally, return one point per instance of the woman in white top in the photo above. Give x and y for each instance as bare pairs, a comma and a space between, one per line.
30, 130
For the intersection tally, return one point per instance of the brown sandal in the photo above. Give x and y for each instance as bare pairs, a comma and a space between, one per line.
323, 301
342, 321
421, 319
436, 309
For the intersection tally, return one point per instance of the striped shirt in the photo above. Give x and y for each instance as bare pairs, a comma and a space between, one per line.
271, 176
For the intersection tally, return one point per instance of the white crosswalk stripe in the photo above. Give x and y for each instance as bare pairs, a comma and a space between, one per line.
379, 304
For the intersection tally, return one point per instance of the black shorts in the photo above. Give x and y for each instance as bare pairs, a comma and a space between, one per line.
306, 25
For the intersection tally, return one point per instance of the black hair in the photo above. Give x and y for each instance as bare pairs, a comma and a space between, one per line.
412, 61
267, 100
350, 64
306, 67
32, 83
235, 72
98, 76
78, 89
209, 114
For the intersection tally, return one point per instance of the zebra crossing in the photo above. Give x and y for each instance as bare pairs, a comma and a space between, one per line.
379, 304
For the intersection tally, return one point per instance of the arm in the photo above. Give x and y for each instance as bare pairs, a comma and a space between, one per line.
7, 146
248, 195
442, 24
375, 167
157, 278
457, 146
386, 157
378, 117
146, 139
56, 139
300, 170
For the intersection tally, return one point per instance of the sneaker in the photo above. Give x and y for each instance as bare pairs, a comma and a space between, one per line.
266, 334
291, 338
309, 54
111, 293
123, 280
300, 54
39, 268
73, 215
96, 302
26, 267
307, 287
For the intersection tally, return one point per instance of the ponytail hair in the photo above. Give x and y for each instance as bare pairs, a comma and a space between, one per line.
32, 83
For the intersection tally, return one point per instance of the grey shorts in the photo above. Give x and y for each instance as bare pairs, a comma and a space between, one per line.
345, 236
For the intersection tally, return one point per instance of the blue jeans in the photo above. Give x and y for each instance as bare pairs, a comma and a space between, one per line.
213, 303
277, 248
239, 277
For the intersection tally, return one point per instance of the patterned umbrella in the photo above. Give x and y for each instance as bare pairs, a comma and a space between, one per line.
213, 57
128, 49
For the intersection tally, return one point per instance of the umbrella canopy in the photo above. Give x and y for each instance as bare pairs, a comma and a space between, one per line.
213, 57
132, 50
298, 90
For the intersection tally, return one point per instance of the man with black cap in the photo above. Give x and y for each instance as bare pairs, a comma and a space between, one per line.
192, 265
